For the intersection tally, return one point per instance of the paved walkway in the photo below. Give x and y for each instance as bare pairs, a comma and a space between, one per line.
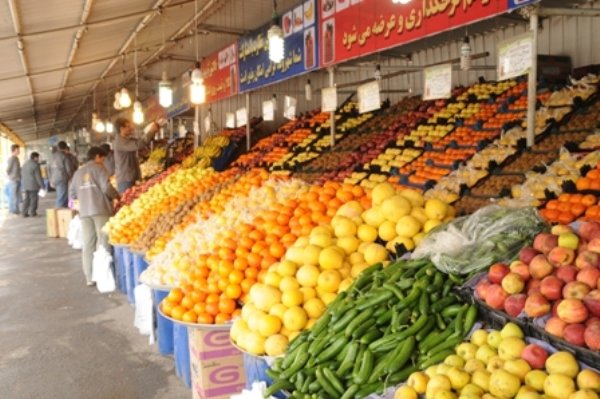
61, 339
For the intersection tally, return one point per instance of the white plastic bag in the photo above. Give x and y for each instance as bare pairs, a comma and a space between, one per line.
102, 272
74, 233
143, 310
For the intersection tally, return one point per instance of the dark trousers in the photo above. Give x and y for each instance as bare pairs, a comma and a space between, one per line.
30, 203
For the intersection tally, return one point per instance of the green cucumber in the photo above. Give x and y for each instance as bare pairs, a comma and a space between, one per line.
350, 392
326, 385
278, 386
348, 361
366, 367
332, 350
420, 336
342, 323
470, 319
334, 380
358, 321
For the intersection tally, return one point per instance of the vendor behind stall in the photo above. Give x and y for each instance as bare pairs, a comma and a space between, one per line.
125, 147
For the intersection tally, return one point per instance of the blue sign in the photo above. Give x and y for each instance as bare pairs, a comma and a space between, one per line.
301, 52
520, 3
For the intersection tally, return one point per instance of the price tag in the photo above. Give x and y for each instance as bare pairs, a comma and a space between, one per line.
514, 56
329, 99
268, 110
241, 116
438, 82
207, 123
230, 120
289, 107
369, 98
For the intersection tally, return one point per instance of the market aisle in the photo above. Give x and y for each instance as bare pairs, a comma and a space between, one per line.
61, 339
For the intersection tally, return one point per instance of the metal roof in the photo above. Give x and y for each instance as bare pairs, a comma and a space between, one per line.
57, 53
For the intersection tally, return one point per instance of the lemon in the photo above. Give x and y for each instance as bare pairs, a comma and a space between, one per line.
254, 320
435, 209
308, 293
343, 227
288, 284
277, 310
331, 258
419, 214
345, 284
367, 233
327, 297
292, 298
356, 258
408, 226
264, 296
247, 310
406, 392
254, 343
329, 280
287, 268
269, 325
373, 217
395, 208
348, 244
409, 244
239, 327
413, 196
314, 308
375, 253
273, 278
381, 192
418, 381
350, 209
430, 225
358, 269
325, 230
321, 240
311, 255
276, 345
387, 230
294, 319
307, 275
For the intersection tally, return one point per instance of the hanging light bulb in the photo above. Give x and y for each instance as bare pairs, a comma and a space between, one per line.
138, 114
465, 54
99, 126
109, 127
308, 90
124, 98
165, 93
276, 44
117, 103
197, 88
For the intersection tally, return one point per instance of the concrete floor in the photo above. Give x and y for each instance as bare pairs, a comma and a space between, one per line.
61, 339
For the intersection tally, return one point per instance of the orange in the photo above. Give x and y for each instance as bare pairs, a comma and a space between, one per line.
578, 209
247, 284
200, 308
222, 318
236, 277
177, 312
588, 200
251, 272
187, 302
212, 308
190, 317
166, 307
175, 296
595, 185
565, 217
233, 291
227, 305
552, 204
240, 264
205, 318
254, 260
212, 298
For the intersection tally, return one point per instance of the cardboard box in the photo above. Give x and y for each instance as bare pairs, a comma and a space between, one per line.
217, 366
51, 223
64, 216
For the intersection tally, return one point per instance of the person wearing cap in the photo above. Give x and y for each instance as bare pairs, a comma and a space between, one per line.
92, 188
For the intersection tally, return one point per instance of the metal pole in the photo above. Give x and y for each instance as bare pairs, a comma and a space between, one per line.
196, 126
332, 116
532, 86
248, 121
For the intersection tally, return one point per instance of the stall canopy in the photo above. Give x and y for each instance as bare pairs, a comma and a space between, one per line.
63, 59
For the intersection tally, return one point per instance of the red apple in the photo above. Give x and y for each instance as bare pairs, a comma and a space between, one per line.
555, 326
574, 334
567, 273
592, 336
495, 297
589, 230
544, 242
592, 302
482, 289
551, 288
512, 283
536, 305
535, 355
514, 304
592, 320
526, 254
594, 245
587, 259
560, 256
540, 267
572, 311
589, 276
534, 286
575, 290
520, 268
497, 272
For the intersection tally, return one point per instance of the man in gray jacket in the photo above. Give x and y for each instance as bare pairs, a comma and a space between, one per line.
32, 183
61, 171
126, 146
92, 188
13, 170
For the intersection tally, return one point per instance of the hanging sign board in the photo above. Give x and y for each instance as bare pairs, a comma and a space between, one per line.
289, 107
438, 82
268, 110
351, 28
329, 99
514, 56
369, 98
230, 120
241, 116
300, 37
220, 73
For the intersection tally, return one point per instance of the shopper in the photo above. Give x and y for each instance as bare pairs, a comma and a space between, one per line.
92, 188
32, 183
13, 170
72, 158
126, 146
109, 162
61, 171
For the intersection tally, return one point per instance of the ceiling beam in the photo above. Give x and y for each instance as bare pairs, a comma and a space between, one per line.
87, 6
569, 12
12, 136
14, 12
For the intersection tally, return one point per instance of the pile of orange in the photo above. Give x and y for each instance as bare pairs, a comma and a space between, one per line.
591, 181
570, 207
245, 253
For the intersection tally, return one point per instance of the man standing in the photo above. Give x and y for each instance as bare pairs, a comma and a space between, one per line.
72, 159
92, 188
13, 170
109, 162
61, 171
32, 183
126, 146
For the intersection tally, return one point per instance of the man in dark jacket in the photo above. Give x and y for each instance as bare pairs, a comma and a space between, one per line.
92, 188
13, 170
61, 171
32, 183
126, 146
